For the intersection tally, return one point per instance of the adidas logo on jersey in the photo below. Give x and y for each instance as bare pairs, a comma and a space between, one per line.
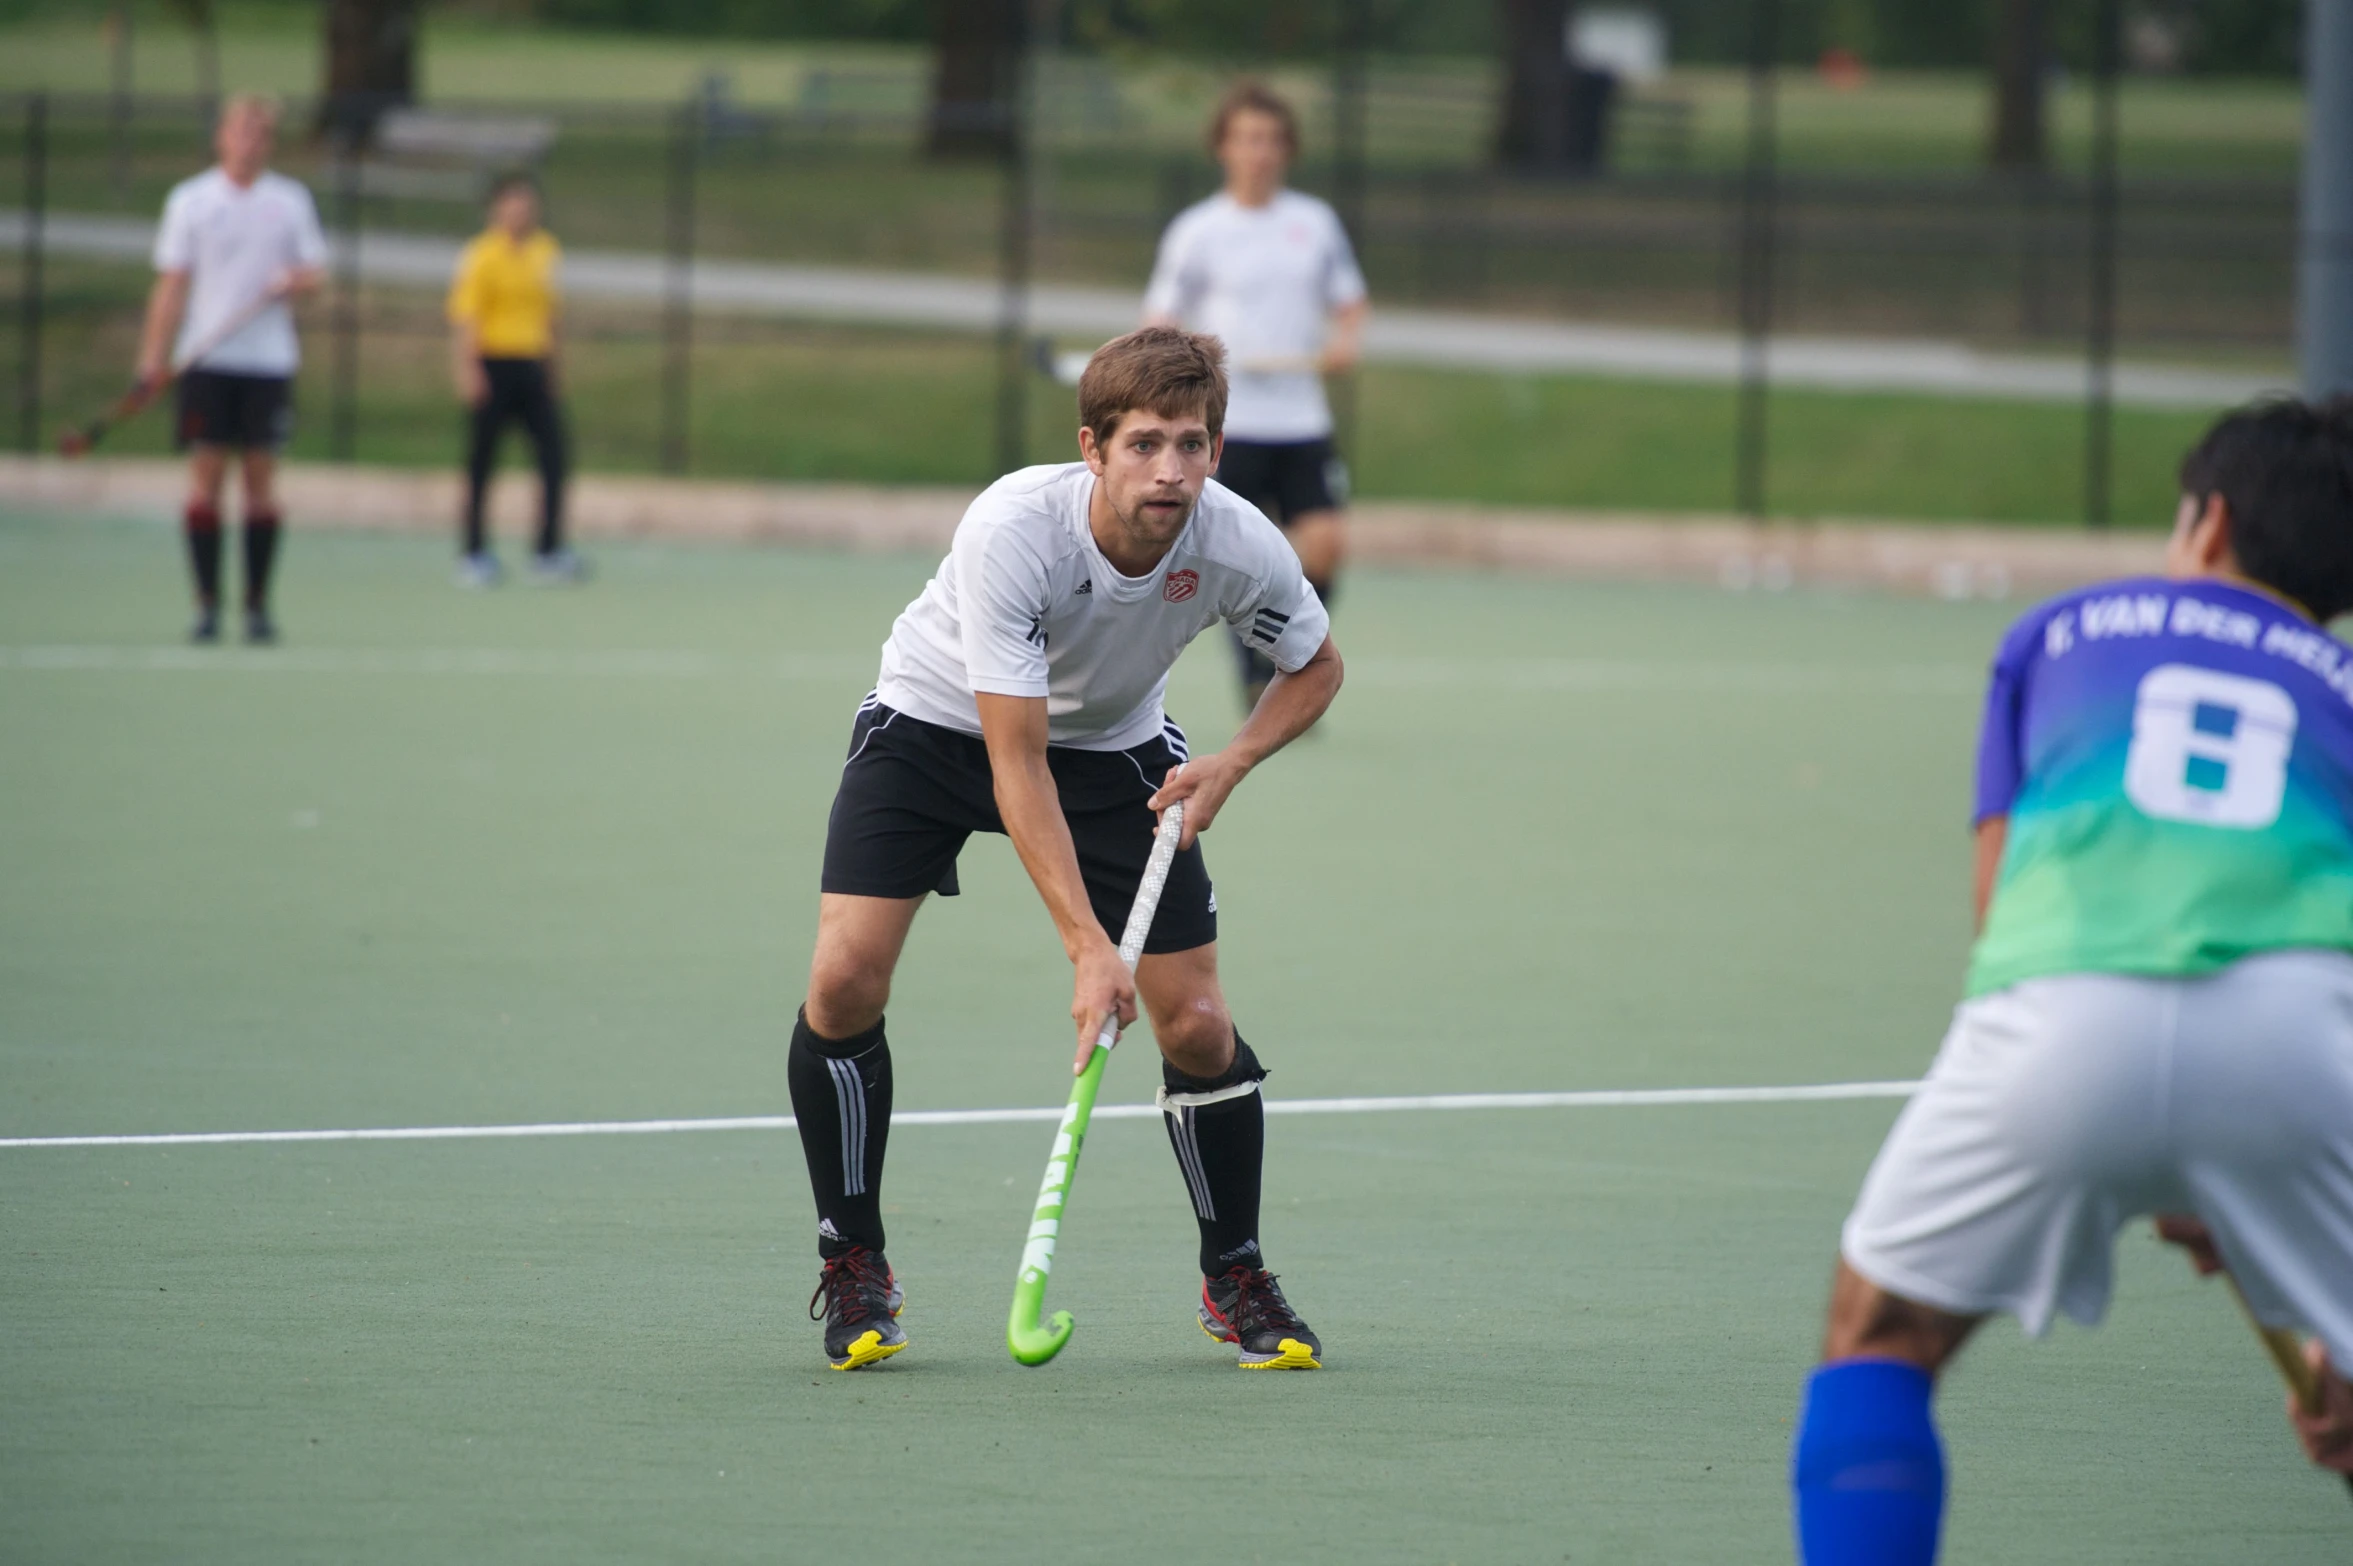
1085, 588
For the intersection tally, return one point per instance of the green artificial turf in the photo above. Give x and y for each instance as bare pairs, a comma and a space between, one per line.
527, 857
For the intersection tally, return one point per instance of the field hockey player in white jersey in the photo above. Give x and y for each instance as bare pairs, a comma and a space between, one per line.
1021, 693
1268, 271
237, 243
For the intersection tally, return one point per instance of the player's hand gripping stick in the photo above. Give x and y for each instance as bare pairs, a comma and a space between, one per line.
2287, 1356
77, 442
1031, 1340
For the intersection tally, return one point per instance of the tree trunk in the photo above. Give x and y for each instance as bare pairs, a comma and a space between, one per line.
1556, 112
1534, 132
204, 33
2020, 60
976, 77
371, 64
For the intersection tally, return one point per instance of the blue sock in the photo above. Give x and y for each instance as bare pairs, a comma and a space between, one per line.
1866, 1467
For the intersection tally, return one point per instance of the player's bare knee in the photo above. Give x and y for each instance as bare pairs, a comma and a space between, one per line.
208, 470
260, 479
846, 996
1868, 1322
1197, 1037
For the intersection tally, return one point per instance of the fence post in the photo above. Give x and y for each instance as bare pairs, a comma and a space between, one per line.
1760, 197
2324, 271
1349, 172
1013, 247
2100, 346
678, 289
120, 102
33, 306
343, 404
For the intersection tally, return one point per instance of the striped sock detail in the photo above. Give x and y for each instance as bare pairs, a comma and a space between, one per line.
849, 1092
1182, 1136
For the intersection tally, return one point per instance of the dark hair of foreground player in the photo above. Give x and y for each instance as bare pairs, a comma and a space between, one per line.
2285, 471
1159, 369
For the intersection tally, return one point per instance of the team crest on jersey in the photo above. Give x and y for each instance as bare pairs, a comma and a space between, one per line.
1181, 586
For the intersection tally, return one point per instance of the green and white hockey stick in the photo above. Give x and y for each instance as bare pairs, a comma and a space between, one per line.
1031, 1340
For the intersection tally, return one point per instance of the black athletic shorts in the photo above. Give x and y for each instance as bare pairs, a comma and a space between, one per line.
1285, 479
912, 792
249, 412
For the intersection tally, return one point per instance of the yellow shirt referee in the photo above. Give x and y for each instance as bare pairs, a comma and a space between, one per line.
503, 309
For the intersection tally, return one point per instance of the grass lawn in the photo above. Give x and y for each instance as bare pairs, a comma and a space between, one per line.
1424, 111
771, 401
522, 857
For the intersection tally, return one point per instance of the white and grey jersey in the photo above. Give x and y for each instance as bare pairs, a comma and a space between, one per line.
235, 241
1025, 604
1264, 281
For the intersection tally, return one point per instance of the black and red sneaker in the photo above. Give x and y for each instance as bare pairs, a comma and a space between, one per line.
862, 1300
1245, 1307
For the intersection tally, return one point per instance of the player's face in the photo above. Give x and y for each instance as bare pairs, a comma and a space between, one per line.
517, 211
1255, 153
244, 142
1151, 472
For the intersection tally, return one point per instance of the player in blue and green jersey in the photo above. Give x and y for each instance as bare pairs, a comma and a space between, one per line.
2159, 1016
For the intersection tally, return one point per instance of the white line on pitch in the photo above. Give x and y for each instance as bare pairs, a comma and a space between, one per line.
1600, 1099
1513, 674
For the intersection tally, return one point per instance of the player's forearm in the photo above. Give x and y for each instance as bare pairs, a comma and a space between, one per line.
1032, 812
1015, 730
1348, 326
302, 280
465, 346
165, 303
1993, 835
1290, 706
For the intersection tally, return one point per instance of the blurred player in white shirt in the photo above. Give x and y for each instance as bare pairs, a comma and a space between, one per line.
237, 242
1269, 272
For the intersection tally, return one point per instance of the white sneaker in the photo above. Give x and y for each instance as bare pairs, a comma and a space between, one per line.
479, 571
558, 567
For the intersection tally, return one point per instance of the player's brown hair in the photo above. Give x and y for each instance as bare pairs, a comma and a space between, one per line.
1253, 97
1160, 369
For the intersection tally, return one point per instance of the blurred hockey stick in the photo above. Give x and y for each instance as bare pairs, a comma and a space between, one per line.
77, 442
2287, 1357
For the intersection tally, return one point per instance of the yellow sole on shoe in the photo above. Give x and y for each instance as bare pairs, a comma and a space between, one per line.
1295, 1355
870, 1349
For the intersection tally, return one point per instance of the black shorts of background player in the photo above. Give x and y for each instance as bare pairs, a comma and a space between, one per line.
1303, 486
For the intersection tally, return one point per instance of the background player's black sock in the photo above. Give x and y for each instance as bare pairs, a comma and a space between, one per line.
260, 540
1221, 1147
1326, 588
202, 524
1255, 667
841, 1091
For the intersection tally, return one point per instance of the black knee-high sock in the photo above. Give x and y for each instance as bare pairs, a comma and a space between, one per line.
1255, 667
841, 1091
260, 540
1326, 588
202, 524
1221, 1147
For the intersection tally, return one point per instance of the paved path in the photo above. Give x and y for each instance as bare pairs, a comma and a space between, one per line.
1428, 338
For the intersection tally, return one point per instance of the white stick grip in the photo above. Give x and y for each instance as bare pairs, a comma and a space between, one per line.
1147, 903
